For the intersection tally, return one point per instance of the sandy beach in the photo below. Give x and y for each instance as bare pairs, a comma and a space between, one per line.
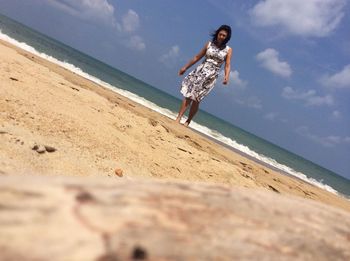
91, 131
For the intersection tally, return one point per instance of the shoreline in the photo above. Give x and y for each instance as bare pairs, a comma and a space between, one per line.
141, 142
280, 169
282, 172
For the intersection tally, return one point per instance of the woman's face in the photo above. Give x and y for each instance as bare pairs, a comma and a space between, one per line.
221, 36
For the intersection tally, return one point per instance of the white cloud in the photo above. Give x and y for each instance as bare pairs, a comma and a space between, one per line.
235, 84
137, 43
336, 115
102, 12
329, 141
269, 60
171, 56
130, 21
271, 116
129, 24
235, 79
254, 102
96, 10
308, 97
338, 80
300, 17
251, 102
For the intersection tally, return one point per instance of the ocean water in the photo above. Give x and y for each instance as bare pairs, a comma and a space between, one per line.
151, 97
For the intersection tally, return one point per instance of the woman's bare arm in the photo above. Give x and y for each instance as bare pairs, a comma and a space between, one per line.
195, 59
227, 67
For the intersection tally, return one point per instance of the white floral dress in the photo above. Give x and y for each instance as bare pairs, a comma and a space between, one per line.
198, 83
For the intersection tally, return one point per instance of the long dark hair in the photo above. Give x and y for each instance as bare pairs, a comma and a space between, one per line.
215, 34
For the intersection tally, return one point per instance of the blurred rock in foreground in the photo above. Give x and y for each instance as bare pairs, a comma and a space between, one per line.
64, 218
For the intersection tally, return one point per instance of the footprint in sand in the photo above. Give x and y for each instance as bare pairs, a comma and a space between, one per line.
155, 123
122, 127
273, 189
152, 122
189, 140
184, 150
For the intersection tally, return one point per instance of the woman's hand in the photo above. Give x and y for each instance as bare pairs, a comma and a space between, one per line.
182, 71
225, 81
195, 59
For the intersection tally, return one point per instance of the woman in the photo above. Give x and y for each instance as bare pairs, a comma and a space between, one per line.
201, 81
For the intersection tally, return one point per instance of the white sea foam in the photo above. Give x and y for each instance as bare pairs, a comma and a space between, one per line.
211, 133
269, 161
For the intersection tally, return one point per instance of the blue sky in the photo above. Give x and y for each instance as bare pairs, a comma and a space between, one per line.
290, 71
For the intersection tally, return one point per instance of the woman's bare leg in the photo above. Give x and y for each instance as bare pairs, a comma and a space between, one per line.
193, 111
185, 103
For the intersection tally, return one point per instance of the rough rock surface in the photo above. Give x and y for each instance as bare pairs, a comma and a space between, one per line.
65, 218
